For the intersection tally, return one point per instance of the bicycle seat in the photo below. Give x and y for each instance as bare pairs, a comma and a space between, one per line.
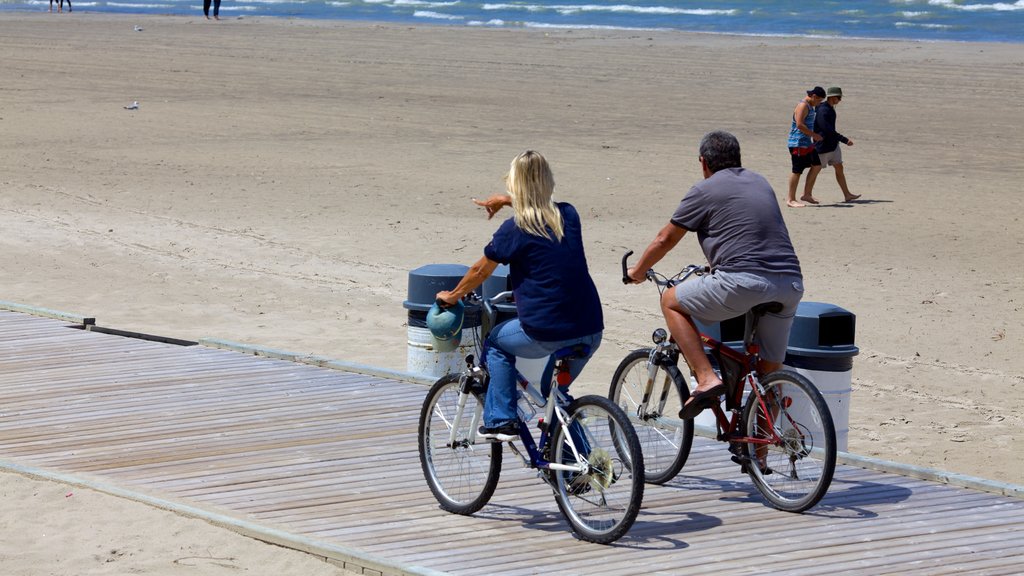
767, 308
573, 352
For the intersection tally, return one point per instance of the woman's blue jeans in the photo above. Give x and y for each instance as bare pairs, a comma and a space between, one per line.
508, 340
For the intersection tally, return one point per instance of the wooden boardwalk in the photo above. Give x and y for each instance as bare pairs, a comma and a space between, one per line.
329, 457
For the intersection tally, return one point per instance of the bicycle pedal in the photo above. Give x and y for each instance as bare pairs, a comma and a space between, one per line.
744, 463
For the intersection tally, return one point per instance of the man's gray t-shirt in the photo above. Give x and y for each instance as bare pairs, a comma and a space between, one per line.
738, 223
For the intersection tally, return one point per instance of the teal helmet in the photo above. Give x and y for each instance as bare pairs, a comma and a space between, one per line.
445, 325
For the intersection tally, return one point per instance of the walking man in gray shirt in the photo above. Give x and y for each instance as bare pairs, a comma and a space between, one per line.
740, 229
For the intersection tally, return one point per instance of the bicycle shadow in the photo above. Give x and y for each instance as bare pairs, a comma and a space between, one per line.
647, 533
662, 530
852, 499
857, 496
533, 518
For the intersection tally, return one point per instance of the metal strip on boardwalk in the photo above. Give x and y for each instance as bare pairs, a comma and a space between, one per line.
325, 461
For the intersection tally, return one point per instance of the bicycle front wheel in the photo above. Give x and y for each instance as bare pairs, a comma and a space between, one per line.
665, 438
461, 475
602, 502
792, 465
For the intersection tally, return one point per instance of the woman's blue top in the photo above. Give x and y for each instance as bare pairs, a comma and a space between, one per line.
556, 298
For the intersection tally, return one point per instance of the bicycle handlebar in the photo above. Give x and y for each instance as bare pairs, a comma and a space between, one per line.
650, 274
625, 268
659, 279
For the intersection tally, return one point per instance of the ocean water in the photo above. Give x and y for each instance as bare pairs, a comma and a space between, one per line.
955, 20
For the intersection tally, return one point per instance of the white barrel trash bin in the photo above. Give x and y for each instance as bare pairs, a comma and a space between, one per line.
422, 358
821, 348
835, 387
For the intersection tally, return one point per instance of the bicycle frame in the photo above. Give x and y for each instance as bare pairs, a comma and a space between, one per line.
552, 406
535, 449
669, 357
665, 355
728, 427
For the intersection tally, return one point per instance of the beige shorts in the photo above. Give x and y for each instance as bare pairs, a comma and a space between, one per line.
831, 158
716, 297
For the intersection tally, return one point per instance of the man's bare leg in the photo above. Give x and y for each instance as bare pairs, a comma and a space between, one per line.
812, 176
841, 179
685, 333
794, 180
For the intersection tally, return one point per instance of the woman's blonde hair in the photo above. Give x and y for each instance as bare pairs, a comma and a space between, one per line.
531, 184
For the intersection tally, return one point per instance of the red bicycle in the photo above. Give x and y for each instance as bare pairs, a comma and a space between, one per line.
781, 434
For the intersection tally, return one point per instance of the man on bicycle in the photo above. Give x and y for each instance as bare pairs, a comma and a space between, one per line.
740, 228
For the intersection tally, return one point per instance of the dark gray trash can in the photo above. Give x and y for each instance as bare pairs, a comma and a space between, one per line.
424, 283
495, 284
821, 347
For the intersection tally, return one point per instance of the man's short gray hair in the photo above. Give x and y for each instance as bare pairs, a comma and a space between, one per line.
720, 150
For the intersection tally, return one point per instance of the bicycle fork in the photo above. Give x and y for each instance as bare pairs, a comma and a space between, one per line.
660, 358
465, 383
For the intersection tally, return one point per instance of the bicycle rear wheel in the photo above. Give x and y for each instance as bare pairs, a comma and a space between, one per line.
601, 503
792, 474
665, 438
462, 476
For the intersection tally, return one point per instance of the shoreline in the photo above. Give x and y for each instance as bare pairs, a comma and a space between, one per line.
544, 27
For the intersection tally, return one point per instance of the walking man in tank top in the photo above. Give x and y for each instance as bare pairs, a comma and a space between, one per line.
802, 138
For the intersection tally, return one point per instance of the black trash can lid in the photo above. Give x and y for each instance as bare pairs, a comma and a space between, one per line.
497, 283
426, 281
823, 330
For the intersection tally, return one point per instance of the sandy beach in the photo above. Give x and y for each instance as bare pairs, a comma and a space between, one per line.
280, 178
51, 528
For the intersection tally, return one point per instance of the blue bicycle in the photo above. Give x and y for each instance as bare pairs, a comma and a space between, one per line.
587, 451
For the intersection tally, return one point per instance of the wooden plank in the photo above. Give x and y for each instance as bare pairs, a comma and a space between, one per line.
332, 456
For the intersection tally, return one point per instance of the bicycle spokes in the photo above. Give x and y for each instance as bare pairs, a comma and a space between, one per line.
789, 434
602, 468
599, 495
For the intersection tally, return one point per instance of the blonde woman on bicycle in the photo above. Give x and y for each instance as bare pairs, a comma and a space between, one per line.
556, 299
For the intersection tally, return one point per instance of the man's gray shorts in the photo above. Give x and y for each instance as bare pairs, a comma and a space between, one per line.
723, 295
831, 158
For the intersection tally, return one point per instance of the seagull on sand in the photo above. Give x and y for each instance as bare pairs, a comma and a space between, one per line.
132, 106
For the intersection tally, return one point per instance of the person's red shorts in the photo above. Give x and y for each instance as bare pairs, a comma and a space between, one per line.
804, 158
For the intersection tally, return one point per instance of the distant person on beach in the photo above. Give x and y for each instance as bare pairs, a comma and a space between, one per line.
556, 300
741, 231
206, 9
60, 7
829, 151
802, 138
